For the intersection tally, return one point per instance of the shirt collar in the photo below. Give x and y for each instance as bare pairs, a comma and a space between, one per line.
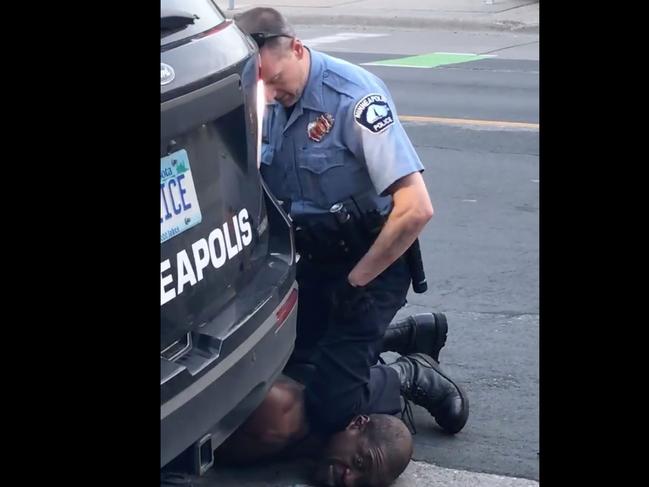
312, 95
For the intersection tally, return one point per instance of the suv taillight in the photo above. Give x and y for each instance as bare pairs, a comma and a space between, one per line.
285, 309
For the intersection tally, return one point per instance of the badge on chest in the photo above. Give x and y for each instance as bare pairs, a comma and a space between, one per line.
320, 127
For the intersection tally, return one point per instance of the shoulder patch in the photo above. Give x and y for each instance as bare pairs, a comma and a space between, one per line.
373, 113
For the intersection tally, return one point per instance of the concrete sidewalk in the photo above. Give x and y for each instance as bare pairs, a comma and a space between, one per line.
294, 474
472, 15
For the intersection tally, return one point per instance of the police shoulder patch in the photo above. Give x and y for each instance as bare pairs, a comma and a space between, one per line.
373, 113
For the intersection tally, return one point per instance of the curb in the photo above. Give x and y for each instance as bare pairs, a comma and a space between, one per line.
408, 22
414, 23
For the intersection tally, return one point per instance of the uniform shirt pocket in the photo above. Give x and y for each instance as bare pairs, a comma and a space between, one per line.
324, 175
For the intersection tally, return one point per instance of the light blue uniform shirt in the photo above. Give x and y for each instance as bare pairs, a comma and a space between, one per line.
364, 152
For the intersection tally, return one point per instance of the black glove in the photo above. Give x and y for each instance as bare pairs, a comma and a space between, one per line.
348, 300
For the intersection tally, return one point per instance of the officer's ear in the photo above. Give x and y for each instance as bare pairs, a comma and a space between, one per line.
358, 423
298, 48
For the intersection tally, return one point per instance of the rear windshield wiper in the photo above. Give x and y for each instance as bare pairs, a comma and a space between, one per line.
172, 20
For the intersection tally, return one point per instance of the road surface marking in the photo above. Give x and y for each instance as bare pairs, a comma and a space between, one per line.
430, 60
341, 37
469, 121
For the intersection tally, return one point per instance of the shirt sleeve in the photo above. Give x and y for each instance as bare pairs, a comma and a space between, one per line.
375, 136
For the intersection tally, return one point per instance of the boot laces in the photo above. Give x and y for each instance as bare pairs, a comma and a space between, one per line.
407, 417
406, 413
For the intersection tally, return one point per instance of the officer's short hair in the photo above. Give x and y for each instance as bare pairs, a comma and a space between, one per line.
267, 26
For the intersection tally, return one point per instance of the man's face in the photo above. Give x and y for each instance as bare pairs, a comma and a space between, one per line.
283, 74
349, 460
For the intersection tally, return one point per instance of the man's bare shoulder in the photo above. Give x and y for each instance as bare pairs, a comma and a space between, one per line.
287, 383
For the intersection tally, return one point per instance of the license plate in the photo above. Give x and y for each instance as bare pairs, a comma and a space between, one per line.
179, 209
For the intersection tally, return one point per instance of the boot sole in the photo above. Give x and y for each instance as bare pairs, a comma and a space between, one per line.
456, 427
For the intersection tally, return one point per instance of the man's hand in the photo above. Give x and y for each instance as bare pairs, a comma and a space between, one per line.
411, 211
348, 300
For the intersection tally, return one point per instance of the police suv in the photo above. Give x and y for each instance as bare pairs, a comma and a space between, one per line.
227, 259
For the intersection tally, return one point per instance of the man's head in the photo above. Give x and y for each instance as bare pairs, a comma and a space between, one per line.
371, 452
284, 59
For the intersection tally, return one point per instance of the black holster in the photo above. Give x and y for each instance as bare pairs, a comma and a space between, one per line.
347, 235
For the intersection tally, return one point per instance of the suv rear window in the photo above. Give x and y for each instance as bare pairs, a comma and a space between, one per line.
207, 12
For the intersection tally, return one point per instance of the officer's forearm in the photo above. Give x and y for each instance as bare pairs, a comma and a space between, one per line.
396, 236
412, 210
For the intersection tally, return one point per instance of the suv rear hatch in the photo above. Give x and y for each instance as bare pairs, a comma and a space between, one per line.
215, 250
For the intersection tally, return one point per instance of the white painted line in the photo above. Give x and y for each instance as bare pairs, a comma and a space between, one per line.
534, 180
469, 201
466, 54
458, 53
395, 65
340, 37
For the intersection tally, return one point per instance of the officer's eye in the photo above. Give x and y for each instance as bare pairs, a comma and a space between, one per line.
358, 461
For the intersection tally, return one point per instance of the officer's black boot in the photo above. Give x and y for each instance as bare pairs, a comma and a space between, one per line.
424, 383
421, 333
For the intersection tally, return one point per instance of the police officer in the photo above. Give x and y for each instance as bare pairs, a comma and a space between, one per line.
333, 143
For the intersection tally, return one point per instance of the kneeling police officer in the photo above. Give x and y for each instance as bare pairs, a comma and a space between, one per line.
335, 153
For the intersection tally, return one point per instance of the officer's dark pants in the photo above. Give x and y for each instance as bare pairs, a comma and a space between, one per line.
345, 350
